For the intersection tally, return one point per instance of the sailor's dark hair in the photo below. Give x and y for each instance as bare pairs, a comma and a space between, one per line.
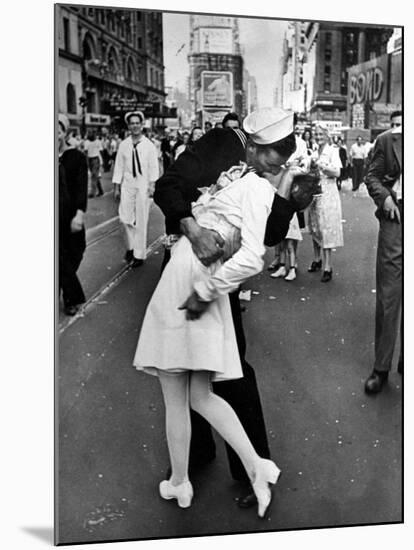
284, 147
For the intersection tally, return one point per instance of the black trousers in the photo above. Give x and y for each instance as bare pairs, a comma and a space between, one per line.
243, 395
71, 249
357, 173
388, 316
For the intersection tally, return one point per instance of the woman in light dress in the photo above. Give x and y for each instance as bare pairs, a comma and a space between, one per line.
325, 212
188, 339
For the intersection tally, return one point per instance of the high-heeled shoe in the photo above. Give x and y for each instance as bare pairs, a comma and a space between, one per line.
267, 474
273, 265
315, 266
291, 276
326, 276
183, 492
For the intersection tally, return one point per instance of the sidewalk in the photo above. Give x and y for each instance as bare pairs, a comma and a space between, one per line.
312, 347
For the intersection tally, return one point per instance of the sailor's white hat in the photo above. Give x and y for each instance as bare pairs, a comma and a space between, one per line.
268, 125
139, 114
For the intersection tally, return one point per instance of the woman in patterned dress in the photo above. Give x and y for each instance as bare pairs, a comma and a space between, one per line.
325, 212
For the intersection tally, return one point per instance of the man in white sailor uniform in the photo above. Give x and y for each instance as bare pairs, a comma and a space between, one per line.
135, 172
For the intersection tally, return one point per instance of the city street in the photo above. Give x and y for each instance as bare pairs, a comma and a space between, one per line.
312, 347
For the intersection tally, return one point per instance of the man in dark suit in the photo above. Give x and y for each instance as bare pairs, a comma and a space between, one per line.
199, 166
384, 184
73, 193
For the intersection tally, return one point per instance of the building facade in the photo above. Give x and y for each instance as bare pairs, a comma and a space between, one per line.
216, 83
336, 48
293, 87
315, 67
110, 61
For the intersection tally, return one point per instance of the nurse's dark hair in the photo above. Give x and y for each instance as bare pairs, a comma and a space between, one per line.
284, 147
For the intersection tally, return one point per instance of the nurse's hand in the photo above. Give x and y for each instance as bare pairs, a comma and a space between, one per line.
207, 244
194, 306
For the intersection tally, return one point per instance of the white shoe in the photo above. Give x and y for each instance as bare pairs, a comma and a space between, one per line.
281, 272
267, 473
183, 492
291, 276
273, 265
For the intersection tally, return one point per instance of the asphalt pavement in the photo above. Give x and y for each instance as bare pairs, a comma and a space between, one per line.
312, 347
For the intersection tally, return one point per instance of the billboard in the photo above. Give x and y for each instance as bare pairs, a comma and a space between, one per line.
215, 40
375, 91
217, 89
368, 82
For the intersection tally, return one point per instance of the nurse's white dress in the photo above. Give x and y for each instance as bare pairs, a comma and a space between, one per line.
167, 341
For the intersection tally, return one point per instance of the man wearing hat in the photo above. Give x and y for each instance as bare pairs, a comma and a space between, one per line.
135, 171
73, 192
266, 144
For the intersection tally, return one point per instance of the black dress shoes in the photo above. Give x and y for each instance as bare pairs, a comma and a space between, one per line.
71, 310
326, 276
315, 266
375, 382
248, 501
136, 262
129, 256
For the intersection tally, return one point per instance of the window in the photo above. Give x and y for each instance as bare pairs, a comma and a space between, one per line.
327, 79
71, 98
140, 43
66, 34
328, 54
130, 70
102, 17
88, 47
328, 39
139, 16
112, 61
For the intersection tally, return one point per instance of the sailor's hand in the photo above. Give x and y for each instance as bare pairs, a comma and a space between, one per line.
207, 244
194, 307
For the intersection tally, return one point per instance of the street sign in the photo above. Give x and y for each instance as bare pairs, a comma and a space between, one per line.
123, 104
217, 89
96, 119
